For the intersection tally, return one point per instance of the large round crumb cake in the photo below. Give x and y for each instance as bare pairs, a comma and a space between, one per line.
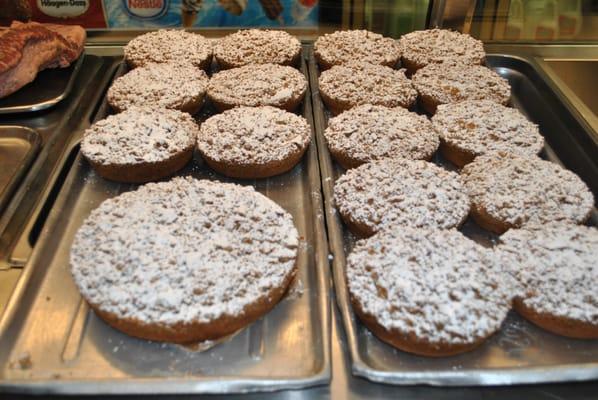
167, 46
175, 86
400, 192
253, 142
343, 87
257, 46
428, 292
140, 144
185, 260
473, 128
421, 48
258, 85
342, 47
367, 133
557, 267
509, 191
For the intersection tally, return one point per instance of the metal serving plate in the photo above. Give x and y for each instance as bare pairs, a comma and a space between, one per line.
72, 351
519, 352
18, 147
49, 88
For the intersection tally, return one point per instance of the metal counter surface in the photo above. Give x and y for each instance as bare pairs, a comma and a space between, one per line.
344, 385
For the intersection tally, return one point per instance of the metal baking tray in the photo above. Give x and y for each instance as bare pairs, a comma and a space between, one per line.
18, 147
48, 89
72, 351
519, 352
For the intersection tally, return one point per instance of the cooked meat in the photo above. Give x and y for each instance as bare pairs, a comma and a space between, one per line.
27, 48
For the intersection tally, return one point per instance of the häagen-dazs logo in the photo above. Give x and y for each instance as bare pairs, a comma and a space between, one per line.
146, 9
63, 8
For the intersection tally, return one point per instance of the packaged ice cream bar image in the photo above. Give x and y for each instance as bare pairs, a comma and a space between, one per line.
234, 7
189, 11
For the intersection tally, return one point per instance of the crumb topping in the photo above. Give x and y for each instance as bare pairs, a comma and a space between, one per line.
139, 135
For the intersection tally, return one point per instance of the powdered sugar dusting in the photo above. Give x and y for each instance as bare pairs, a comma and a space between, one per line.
258, 85
257, 46
345, 46
557, 266
518, 190
358, 83
164, 46
437, 285
482, 126
181, 251
164, 85
451, 82
139, 135
391, 192
365, 133
253, 135
439, 45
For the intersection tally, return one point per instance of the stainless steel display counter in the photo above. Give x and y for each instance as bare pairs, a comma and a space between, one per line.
20, 227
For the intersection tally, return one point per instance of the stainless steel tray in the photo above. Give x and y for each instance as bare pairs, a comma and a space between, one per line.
73, 352
49, 88
18, 147
520, 352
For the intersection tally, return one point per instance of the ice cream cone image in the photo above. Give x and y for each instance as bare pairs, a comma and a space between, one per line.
235, 7
189, 11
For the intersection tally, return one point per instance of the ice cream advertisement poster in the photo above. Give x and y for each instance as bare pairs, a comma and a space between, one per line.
134, 14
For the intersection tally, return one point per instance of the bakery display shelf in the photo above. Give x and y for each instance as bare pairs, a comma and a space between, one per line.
50, 342
49, 88
520, 352
18, 148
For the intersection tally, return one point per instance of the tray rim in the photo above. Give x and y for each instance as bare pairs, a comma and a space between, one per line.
195, 384
481, 377
43, 105
34, 139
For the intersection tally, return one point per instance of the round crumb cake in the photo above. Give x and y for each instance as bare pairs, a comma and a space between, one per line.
258, 85
253, 142
473, 128
257, 46
175, 86
343, 87
421, 48
185, 260
400, 192
367, 133
556, 265
342, 47
425, 291
452, 82
140, 144
508, 191
169, 46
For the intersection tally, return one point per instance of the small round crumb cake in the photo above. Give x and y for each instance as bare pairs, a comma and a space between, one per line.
257, 46
429, 292
367, 133
140, 144
342, 47
258, 85
452, 82
557, 266
473, 128
400, 192
253, 142
169, 46
508, 191
346, 86
185, 260
175, 86
421, 48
